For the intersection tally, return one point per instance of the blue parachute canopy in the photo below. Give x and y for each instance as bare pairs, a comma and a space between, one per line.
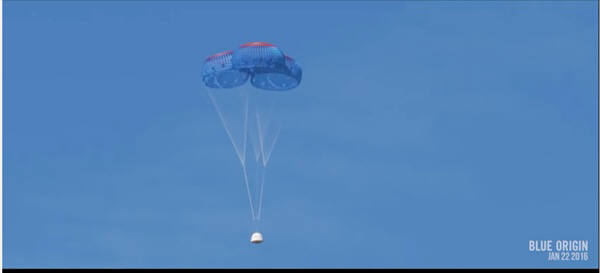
257, 55
267, 65
218, 72
283, 77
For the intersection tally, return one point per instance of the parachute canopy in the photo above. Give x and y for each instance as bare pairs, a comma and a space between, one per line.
267, 66
218, 72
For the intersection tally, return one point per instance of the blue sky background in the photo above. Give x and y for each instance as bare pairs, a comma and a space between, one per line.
424, 134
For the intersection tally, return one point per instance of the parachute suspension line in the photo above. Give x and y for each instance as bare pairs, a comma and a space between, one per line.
270, 151
263, 165
255, 138
265, 158
262, 186
266, 153
267, 145
248, 192
260, 137
246, 181
244, 93
240, 153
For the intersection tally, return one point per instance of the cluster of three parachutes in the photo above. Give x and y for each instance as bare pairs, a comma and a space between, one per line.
265, 64
246, 110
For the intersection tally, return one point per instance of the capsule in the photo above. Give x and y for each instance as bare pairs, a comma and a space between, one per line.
256, 238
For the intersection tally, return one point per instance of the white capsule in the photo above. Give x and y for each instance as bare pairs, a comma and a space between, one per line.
256, 238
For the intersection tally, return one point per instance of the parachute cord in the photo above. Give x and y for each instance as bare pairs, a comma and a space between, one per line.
245, 124
270, 151
265, 157
241, 154
248, 192
256, 225
263, 165
244, 165
260, 136
262, 186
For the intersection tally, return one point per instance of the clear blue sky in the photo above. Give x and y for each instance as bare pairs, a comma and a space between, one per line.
423, 134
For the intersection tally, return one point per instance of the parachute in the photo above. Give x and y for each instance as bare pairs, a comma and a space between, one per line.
248, 110
218, 72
